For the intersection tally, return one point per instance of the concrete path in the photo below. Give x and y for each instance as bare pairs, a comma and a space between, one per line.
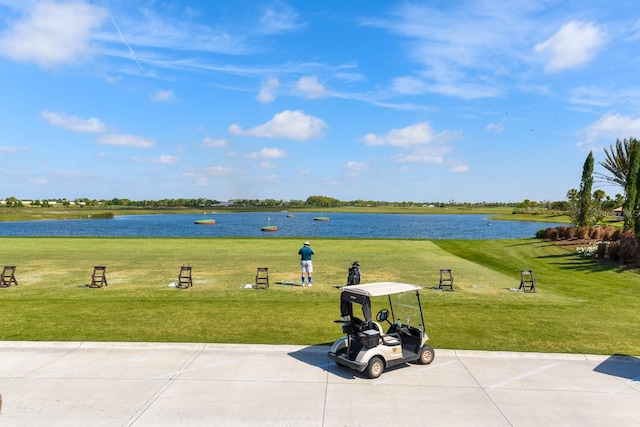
134, 384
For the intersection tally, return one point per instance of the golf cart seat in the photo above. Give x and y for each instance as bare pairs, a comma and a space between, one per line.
386, 339
352, 325
378, 327
390, 340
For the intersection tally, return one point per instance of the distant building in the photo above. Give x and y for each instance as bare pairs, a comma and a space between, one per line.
619, 213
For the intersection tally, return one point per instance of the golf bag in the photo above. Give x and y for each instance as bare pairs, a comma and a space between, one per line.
354, 274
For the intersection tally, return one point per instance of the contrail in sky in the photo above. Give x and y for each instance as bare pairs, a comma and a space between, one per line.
132, 54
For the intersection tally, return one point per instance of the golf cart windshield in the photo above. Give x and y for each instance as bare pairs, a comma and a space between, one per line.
402, 301
405, 308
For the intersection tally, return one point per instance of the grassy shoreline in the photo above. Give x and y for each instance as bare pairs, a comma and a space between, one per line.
496, 213
581, 306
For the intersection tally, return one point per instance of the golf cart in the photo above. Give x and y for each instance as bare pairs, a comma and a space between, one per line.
366, 346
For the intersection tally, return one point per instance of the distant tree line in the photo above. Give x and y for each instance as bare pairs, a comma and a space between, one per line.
311, 202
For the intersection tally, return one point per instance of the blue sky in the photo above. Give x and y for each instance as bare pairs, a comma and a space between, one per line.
379, 100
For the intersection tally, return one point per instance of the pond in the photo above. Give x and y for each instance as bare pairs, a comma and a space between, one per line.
400, 226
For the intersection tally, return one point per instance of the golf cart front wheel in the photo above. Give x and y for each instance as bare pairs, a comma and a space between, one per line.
427, 354
375, 368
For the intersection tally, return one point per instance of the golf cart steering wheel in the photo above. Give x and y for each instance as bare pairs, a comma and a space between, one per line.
383, 315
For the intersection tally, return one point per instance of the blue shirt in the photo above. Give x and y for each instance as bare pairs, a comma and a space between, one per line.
305, 253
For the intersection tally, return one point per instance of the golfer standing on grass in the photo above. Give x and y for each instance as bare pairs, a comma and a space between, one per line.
306, 265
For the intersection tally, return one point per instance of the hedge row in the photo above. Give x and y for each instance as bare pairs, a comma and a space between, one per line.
606, 233
612, 243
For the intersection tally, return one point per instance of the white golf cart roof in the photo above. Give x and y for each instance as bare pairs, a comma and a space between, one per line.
378, 289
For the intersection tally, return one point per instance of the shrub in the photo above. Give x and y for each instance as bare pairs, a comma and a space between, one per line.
550, 233
607, 233
614, 251
101, 215
601, 251
588, 251
596, 233
626, 233
543, 233
617, 233
628, 250
582, 233
570, 233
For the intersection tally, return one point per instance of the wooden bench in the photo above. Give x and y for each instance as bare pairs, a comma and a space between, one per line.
8, 276
184, 279
99, 278
262, 278
527, 281
446, 280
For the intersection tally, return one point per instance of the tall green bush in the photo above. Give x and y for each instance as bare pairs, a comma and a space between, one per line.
585, 198
631, 190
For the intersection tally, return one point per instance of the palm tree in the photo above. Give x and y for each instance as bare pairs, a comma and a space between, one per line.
617, 162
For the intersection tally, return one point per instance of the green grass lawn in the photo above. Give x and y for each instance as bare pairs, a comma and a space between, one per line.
581, 306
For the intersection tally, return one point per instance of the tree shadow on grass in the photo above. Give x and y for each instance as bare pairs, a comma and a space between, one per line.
577, 262
620, 365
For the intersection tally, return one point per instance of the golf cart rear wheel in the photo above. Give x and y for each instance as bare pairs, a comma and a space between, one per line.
427, 354
375, 368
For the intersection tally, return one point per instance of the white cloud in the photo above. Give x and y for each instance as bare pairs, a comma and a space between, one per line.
266, 164
73, 123
447, 85
610, 127
576, 43
289, 124
268, 90
126, 140
10, 150
418, 158
417, 134
460, 169
279, 18
53, 33
268, 153
309, 87
163, 96
409, 85
350, 77
428, 154
218, 171
462, 49
494, 127
214, 143
205, 176
166, 159
356, 166
69, 174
